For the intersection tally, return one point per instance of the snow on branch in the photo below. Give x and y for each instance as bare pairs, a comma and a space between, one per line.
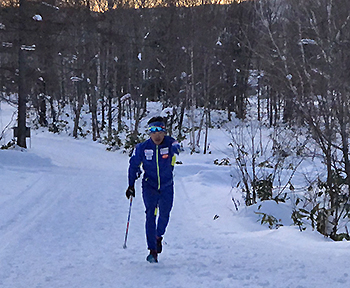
76, 79
52, 6
125, 97
307, 42
37, 17
167, 112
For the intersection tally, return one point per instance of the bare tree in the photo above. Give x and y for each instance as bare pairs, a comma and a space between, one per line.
307, 53
22, 93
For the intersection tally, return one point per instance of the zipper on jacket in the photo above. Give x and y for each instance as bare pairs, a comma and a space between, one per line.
157, 163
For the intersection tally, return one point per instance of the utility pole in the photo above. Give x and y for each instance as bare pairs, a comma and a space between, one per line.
22, 101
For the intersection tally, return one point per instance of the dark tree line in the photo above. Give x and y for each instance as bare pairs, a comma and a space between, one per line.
181, 56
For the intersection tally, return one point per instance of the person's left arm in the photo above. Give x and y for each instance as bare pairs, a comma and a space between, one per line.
134, 170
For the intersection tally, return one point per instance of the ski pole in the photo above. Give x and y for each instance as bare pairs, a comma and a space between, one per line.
127, 224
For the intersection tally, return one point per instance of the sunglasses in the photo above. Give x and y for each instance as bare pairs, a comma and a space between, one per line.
154, 129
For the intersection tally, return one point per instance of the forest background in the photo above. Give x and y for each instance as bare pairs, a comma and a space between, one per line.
116, 56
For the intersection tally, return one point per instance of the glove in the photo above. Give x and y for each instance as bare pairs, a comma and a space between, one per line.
130, 192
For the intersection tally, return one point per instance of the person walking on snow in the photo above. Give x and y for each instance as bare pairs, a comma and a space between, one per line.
157, 158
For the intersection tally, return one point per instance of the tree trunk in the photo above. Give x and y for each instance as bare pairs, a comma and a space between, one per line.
181, 118
193, 106
77, 109
94, 122
22, 102
109, 115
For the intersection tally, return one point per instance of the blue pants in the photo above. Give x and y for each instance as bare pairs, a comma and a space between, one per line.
153, 198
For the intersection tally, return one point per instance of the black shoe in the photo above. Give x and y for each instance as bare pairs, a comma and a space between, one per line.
152, 257
159, 244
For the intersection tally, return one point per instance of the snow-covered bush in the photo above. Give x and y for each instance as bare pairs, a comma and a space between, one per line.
279, 164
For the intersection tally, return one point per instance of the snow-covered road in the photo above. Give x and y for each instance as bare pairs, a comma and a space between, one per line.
63, 216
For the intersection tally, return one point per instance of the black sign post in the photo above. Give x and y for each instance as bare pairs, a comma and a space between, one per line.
15, 134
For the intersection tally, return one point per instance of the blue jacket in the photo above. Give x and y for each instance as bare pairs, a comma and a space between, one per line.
157, 162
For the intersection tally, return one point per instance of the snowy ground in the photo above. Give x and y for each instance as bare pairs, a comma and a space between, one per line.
63, 216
